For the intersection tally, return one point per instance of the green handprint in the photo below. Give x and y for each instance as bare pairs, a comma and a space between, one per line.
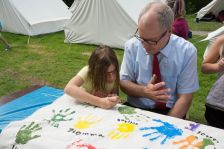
206, 142
25, 132
60, 116
126, 110
129, 112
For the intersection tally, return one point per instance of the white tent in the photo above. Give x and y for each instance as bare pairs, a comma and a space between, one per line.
214, 6
107, 22
33, 17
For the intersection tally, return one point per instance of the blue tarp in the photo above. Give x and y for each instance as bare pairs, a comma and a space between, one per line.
24, 106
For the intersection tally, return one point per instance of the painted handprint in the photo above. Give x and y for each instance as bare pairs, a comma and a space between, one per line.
126, 110
166, 130
122, 131
130, 113
79, 144
25, 133
86, 122
192, 126
192, 142
60, 116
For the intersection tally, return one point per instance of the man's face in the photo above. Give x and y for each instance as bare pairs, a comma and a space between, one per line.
152, 46
151, 35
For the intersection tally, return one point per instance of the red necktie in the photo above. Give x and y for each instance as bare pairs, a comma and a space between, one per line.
155, 68
156, 71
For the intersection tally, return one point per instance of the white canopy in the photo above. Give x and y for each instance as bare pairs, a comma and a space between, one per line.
33, 17
214, 6
107, 22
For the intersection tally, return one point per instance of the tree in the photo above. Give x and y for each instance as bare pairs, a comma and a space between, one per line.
193, 6
68, 2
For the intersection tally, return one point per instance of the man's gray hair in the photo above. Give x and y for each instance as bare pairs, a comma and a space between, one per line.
164, 13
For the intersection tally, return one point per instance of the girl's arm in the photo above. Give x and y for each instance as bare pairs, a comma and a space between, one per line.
211, 63
73, 89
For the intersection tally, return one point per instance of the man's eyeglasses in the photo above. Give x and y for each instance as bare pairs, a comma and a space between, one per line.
150, 42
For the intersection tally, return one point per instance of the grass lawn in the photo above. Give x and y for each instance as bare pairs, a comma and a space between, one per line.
48, 60
202, 25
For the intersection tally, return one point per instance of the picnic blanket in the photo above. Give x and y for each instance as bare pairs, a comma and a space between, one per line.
67, 124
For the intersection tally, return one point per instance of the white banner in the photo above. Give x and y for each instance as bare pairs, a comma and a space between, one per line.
66, 124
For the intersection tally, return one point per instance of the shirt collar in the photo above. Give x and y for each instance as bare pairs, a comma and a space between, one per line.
165, 51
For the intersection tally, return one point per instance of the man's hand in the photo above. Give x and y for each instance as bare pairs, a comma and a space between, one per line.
157, 91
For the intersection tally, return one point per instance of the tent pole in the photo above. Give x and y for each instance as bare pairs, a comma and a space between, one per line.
70, 45
28, 40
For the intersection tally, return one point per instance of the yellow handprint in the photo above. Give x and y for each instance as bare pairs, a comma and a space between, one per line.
86, 122
122, 131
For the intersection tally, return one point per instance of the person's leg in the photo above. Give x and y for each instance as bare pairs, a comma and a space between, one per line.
6, 44
214, 117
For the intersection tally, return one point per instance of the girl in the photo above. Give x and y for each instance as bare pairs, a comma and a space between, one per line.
180, 26
97, 83
214, 63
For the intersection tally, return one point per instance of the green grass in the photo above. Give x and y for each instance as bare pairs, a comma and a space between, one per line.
48, 60
45, 60
197, 108
202, 25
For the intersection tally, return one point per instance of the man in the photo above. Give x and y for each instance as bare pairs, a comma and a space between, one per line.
6, 44
177, 61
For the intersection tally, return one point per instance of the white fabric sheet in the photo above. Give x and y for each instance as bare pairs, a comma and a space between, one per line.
66, 124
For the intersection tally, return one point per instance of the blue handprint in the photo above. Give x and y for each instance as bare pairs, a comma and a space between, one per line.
166, 130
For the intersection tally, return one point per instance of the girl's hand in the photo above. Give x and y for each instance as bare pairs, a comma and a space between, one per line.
109, 102
220, 65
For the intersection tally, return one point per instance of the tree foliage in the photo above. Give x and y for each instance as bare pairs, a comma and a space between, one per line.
68, 2
193, 6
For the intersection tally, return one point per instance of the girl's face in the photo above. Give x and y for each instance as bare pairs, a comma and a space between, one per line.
111, 73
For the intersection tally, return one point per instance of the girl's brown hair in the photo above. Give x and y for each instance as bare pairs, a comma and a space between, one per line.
178, 7
99, 62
